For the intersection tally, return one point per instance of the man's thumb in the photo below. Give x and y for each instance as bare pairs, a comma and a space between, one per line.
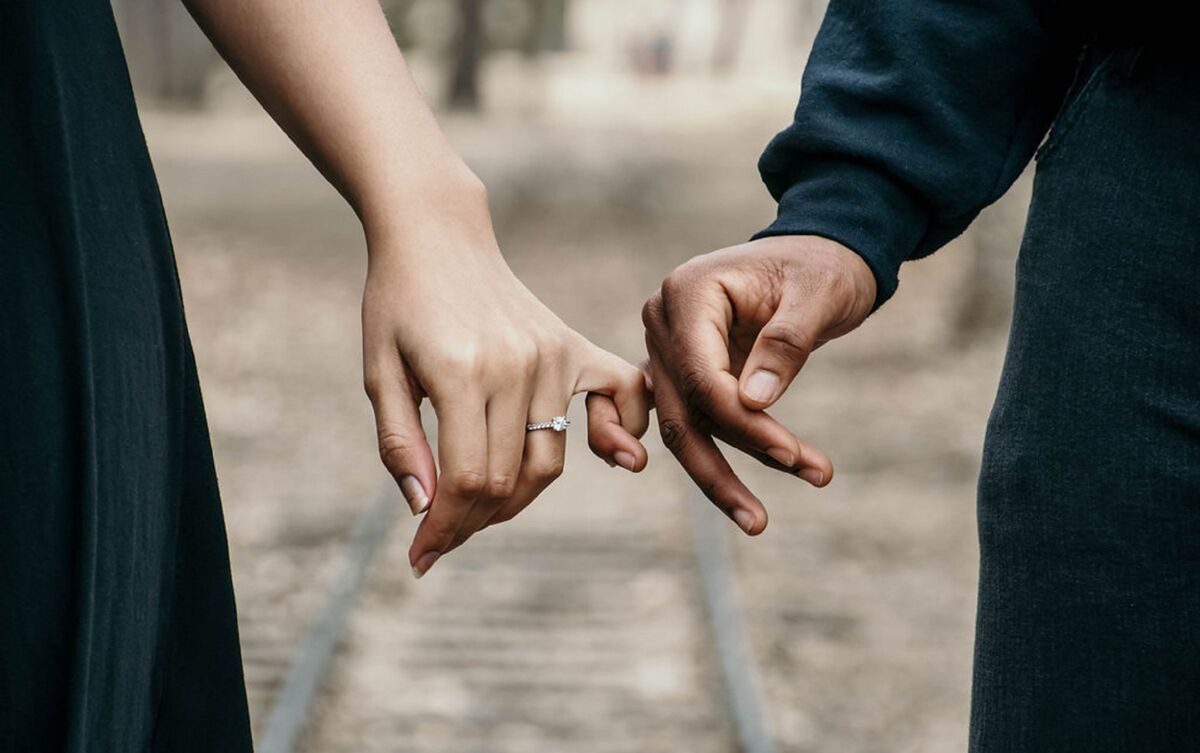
779, 352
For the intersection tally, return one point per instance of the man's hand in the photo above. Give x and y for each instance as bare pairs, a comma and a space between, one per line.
727, 333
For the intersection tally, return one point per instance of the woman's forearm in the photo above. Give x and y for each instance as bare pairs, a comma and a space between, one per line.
333, 78
443, 315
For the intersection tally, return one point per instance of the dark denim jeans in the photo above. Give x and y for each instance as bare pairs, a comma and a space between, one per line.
1089, 497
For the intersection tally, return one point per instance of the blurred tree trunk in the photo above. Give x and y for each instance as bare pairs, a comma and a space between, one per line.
551, 26
463, 93
731, 26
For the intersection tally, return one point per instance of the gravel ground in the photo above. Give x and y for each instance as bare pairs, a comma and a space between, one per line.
577, 627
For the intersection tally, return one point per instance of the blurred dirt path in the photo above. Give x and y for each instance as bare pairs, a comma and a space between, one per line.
576, 627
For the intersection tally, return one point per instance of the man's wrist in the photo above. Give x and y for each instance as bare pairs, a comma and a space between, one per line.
842, 264
866, 285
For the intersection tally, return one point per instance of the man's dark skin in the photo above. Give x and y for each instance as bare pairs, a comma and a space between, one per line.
727, 333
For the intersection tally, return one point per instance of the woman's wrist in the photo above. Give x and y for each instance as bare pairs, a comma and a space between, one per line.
443, 208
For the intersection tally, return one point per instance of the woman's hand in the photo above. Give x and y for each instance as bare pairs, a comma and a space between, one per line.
444, 317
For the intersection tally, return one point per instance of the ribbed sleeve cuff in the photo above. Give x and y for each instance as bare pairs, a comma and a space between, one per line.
858, 206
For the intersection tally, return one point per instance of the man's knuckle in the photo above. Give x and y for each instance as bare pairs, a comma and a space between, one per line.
711, 490
652, 310
696, 385
789, 335
672, 286
680, 292
674, 434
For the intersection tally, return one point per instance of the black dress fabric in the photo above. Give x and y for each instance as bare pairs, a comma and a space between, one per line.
118, 631
915, 115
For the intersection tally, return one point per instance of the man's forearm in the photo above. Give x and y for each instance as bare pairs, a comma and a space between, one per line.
333, 78
913, 116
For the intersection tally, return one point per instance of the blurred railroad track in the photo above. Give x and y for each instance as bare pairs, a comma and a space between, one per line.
571, 641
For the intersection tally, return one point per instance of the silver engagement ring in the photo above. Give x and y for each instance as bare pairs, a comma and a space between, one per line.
558, 423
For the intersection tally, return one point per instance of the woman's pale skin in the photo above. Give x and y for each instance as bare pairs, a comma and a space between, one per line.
443, 316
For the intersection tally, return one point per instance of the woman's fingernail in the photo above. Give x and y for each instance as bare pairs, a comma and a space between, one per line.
762, 386
782, 456
812, 476
744, 519
424, 563
625, 459
414, 494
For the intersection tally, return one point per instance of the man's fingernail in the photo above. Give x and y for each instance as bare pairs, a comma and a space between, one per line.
782, 456
812, 476
625, 459
762, 386
744, 519
424, 563
414, 494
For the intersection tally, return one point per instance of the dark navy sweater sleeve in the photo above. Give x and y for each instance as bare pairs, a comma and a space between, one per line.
913, 116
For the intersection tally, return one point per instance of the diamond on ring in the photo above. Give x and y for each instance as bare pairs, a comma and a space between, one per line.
558, 423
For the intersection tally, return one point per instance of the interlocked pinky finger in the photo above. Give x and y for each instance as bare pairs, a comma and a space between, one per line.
609, 439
